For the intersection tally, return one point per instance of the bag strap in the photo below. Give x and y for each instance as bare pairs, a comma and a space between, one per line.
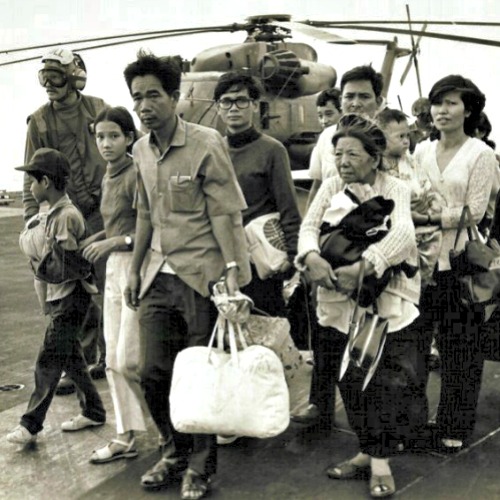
472, 231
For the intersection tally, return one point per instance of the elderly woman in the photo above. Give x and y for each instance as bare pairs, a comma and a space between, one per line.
461, 169
376, 414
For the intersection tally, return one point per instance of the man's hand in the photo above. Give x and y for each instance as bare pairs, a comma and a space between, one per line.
232, 281
132, 290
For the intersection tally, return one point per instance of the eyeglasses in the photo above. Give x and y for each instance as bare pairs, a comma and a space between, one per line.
241, 103
54, 78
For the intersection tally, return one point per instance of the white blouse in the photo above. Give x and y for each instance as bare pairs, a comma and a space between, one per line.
466, 180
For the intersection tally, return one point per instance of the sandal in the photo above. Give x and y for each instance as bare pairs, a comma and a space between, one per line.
105, 454
194, 485
382, 486
347, 470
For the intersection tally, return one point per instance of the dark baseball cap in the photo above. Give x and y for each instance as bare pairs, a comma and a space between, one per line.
47, 161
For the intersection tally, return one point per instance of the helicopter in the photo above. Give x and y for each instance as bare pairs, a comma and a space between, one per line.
289, 71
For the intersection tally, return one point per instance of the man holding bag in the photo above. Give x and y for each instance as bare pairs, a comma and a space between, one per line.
189, 233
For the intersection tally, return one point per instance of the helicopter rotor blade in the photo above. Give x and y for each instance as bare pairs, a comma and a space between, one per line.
415, 47
317, 33
429, 34
437, 23
100, 46
166, 33
415, 60
417, 71
407, 69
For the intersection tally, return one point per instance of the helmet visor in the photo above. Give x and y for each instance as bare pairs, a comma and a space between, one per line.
53, 77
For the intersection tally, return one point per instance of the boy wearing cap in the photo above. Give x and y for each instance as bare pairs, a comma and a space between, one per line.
65, 123
67, 301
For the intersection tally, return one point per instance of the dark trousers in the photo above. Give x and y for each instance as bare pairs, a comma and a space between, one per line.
462, 362
388, 411
92, 333
61, 350
267, 294
172, 316
325, 373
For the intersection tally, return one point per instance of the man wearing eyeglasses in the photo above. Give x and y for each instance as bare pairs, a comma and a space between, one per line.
263, 170
65, 123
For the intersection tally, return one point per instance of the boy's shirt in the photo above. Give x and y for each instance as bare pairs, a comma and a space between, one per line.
65, 225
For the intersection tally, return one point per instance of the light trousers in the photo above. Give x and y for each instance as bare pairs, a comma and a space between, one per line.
123, 348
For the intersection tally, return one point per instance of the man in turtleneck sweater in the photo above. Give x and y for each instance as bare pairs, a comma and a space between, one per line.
65, 123
263, 170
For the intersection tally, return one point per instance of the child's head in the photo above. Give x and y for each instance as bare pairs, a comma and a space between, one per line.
49, 170
115, 133
394, 124
328, 107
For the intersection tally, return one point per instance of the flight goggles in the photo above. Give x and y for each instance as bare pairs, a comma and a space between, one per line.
53, 77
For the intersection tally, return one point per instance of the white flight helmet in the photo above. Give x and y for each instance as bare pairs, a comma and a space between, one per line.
72, 65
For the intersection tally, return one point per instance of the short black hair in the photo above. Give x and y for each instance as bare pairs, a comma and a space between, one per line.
362, 73
474, 100
239, 80
60, 183
329, 95
388, 115
166, 69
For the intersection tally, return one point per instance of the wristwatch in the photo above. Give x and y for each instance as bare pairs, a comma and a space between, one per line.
128, 240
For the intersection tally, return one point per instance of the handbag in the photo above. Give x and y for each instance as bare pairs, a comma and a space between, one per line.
477, 268
266, 244
274, 333
230, 393
367, 335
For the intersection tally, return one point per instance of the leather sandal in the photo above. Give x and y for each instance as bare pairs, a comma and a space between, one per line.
347, 470
194, 485
382, 486
105, 454
162, 474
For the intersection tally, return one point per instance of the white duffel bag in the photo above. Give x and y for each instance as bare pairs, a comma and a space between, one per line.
237, 393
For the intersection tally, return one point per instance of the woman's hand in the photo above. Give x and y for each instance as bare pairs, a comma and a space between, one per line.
420, 219
319, 271
347, 276
98, 250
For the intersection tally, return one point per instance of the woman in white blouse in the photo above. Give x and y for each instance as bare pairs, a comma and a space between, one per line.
461, 170
377, 413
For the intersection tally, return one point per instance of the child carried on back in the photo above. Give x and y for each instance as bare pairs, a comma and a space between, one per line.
425, 201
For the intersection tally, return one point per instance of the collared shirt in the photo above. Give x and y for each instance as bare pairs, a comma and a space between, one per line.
66, 226
118, 195
178, 192
322, 163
